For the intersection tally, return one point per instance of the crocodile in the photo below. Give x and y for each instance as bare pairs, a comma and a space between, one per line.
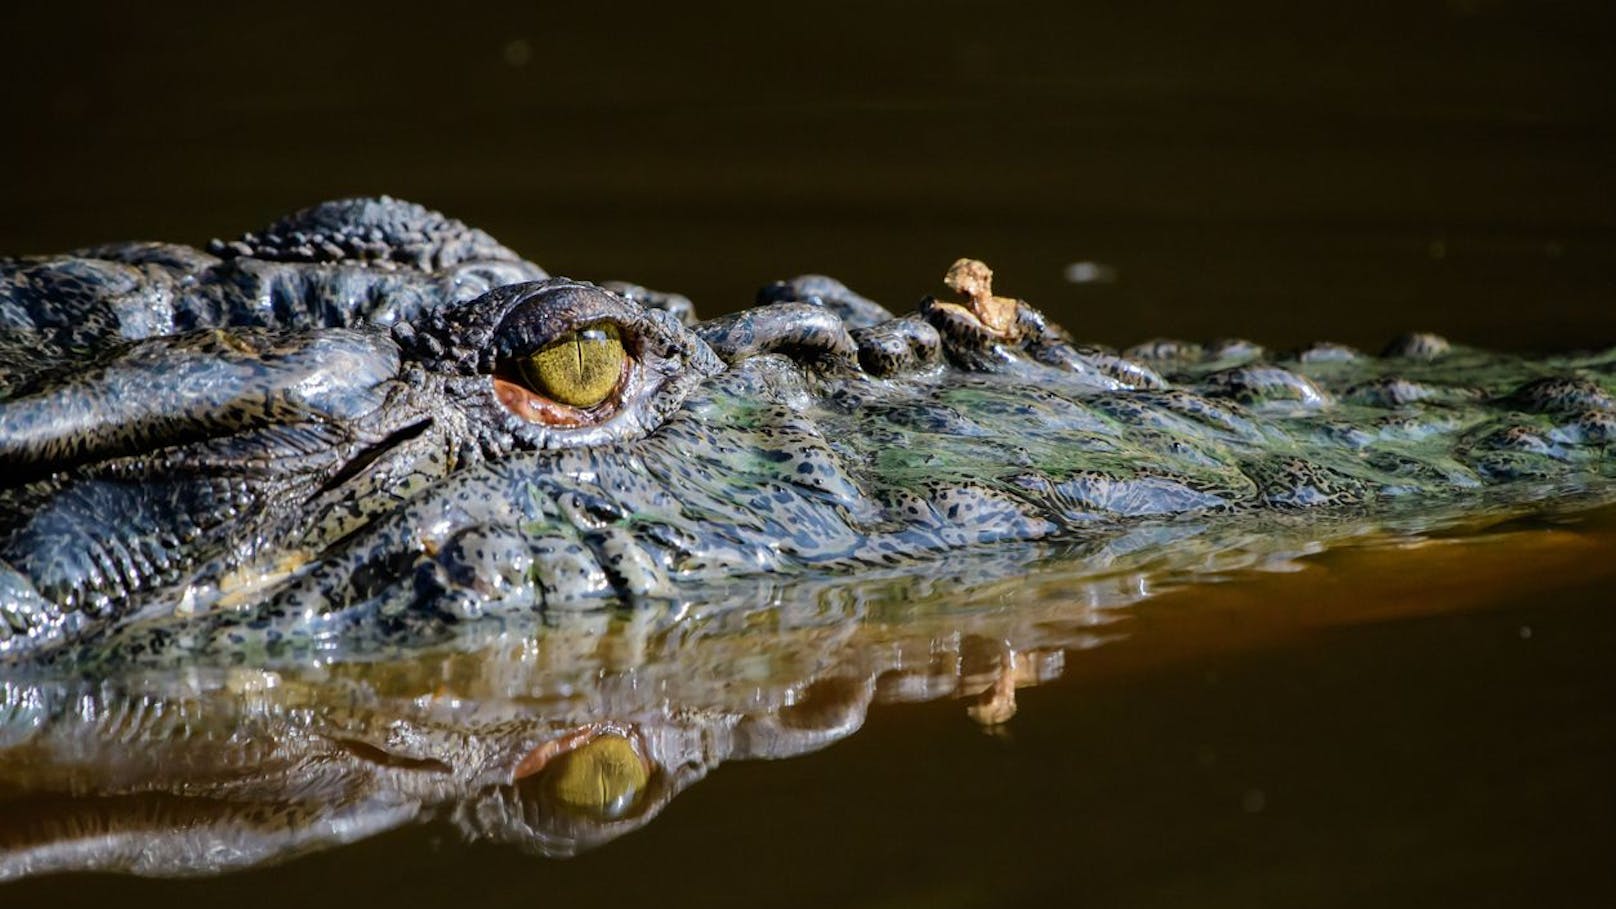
187, 773
368, 428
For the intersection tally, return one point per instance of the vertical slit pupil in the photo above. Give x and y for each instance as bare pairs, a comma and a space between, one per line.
580, 368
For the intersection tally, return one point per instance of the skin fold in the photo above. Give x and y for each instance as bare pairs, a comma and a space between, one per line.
319, 441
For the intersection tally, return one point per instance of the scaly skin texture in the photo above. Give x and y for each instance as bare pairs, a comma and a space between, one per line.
299, 443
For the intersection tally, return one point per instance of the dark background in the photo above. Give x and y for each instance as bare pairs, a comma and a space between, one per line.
1278, 170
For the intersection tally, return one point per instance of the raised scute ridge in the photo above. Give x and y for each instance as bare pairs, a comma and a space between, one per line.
378, 232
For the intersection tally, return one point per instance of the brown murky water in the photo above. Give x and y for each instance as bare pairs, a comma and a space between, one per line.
1413, 722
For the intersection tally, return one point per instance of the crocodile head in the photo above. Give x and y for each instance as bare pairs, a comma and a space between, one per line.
266, 483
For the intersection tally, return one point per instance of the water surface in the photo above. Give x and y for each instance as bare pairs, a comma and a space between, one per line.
1415, 717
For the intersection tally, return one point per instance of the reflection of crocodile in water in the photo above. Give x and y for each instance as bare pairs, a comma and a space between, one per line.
368, 426
560, 743
186, 772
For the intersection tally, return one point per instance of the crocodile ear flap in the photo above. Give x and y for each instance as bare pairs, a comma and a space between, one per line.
181, 389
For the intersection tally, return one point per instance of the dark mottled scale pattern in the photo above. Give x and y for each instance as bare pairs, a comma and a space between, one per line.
1589, 427
1561, 395
1293, 482
92, 543
346, 263
1395, 391
381, 233
897, 346
347, 482
1266, 387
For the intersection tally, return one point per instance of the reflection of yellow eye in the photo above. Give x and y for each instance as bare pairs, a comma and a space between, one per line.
603, 776
580, 369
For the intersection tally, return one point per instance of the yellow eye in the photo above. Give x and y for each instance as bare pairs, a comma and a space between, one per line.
579, 369
603, 777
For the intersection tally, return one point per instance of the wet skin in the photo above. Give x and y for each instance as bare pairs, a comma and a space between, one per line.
369, 427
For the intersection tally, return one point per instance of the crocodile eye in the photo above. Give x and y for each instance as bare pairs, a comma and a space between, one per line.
567, 364
578, 378
603, 777
579, 369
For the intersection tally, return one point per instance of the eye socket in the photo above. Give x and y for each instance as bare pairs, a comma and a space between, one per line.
579, 369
